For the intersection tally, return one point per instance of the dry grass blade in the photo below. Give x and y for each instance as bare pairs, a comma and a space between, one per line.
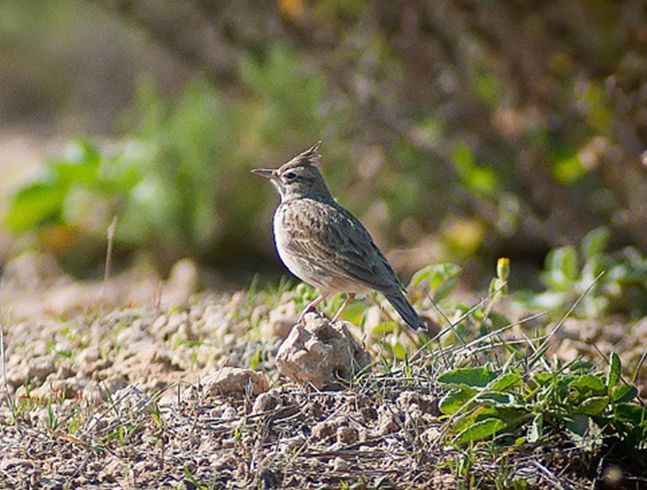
5, 378
3, 360
544, 345
451, 326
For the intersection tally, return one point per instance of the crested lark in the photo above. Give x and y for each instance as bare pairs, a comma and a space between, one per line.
324, 245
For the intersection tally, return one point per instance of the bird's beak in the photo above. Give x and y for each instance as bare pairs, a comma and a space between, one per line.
268, 173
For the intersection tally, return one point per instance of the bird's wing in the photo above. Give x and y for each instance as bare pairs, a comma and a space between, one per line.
337, 242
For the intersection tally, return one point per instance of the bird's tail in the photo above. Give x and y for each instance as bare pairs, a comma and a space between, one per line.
405, 310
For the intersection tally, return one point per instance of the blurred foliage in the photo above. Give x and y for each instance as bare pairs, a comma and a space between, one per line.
607, 283
72, 202
179, 183
495, 128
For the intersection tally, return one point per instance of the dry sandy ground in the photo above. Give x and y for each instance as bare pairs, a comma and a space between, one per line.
120, 385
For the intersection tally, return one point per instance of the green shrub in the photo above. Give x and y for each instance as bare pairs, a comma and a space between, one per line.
617, 281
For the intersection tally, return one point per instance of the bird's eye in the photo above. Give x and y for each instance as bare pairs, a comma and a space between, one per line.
290, 176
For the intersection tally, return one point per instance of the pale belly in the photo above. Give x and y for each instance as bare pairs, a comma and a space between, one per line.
310, 271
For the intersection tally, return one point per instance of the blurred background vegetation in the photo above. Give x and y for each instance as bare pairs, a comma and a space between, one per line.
457, 130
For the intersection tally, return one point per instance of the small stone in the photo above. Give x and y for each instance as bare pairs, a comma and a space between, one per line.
265, 402
259, 313
40, 348
580, 329
407, 398
387, 422
347, 435
325, 429
291, 443
219, 461
171, 326
89, 355
93, 395
64, 372
19, 375
58, 389
63, 347
131, 334
131, 398
12, 465
94, 370
320, 352
185, 332
41, 367
215, 320
236, 381
340, 465
280, 321
431, 435
157, 326
229, 414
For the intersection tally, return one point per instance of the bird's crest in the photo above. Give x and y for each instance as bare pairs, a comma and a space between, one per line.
309, 157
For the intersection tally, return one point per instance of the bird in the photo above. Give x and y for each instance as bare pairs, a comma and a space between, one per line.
324, 245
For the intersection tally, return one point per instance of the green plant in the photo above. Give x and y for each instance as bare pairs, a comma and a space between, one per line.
618, 281
178, 182
52, 419
534, 403
70, 203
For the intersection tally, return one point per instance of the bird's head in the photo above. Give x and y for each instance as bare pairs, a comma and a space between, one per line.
299, 177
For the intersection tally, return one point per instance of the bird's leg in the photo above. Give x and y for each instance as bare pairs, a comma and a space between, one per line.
310, 307
349, 299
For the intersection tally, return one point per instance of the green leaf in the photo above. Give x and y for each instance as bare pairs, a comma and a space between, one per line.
496, 399
536, 429
562, 268
543, 378
623, 393
569, 263
497, 286
568, 168
445, 289
453, 401
483, 180
384, 328
520, 484
478, 178
435, 275
631, 412
81, 152
615, 368
70, 173
595, 242
474, 377
463, 158
34, 204
398, 350
588, 383
594, 405
480, 430
506, 381
578, 424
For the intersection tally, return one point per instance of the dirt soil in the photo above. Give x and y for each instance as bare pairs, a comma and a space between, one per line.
115, 386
